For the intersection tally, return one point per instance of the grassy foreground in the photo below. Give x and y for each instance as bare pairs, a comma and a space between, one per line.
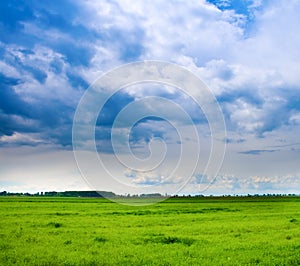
204, 231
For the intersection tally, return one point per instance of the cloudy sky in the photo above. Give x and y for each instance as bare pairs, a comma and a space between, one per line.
246, 52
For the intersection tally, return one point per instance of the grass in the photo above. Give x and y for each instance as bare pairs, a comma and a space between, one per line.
195, 231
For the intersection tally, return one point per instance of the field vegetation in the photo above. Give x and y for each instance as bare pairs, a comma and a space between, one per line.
178, 231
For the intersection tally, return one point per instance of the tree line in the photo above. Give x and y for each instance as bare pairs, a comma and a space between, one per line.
108, 194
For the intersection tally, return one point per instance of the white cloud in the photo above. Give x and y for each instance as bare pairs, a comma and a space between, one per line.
232, 184
213, 44
18, 138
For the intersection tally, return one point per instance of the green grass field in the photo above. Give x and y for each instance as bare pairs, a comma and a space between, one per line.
191, 231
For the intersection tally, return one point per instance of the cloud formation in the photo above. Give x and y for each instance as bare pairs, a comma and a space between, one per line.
247, 52
49, 54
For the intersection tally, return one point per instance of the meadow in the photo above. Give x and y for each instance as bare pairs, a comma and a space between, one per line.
178, 231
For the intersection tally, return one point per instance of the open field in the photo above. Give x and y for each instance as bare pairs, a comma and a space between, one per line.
191, 231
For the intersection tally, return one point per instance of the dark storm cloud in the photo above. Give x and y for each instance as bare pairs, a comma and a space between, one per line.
10, 102
54, 25
51, 117
17, 115
147, 128
279, 113
257, 152
231, 140
250, 96
74, 79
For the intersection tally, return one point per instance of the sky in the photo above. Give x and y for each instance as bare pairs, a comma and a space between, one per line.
246, 52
